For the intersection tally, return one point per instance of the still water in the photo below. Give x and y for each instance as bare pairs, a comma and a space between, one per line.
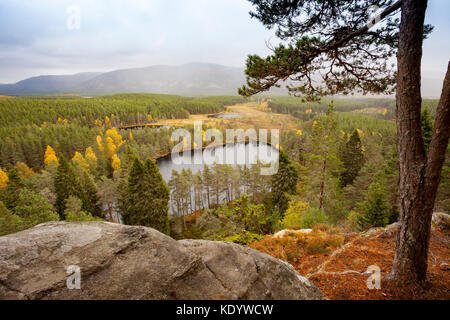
240, 153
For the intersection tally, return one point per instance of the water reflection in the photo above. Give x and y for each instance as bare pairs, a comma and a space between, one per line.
240, 153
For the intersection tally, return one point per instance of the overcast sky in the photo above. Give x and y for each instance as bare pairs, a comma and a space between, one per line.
41, 36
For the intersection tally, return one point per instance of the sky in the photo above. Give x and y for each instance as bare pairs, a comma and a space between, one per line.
44, 37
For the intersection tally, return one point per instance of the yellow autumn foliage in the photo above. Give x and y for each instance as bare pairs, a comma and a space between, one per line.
62, 121
115, 136
107, 122
110, 148
115, 163
79, 160
91, 158
3, 179
113, 140
50, 156
100, 143
99, 123
360, 132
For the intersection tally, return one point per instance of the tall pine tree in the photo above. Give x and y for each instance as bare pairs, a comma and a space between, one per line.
67, 184
284, 182
12, 190
161, 197
91, 192
352, 158
145, 200
375, 209
427, 128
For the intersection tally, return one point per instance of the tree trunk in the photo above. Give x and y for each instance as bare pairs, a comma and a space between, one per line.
322, 184
419, 176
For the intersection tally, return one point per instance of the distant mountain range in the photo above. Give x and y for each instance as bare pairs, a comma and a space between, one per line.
186, 79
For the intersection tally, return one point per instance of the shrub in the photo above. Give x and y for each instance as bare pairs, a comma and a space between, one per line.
294, 245
351, 222
293, 217
312, 217
252, 217
243, 237
323, 243
326, 228
275, 220
286, 249
191, 233
375, 209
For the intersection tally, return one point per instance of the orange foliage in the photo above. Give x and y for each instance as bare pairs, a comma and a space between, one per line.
295, 245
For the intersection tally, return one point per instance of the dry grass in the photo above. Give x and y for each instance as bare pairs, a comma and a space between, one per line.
379, 250
315, 256
295, 245
255, 115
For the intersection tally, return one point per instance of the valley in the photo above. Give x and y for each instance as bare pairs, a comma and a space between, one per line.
107, 158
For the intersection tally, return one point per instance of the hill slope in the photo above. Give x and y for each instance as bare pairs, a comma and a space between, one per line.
187, 79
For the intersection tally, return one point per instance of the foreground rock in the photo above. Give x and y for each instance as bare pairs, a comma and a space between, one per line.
124, 262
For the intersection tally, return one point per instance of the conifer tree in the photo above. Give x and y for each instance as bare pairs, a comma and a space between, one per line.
375, 209
284, 182
208, 180
174, 185
33, 209
427, 128
161, 196
321, 183
145, 201
91, 192
352, 158
9, 222
12, 190
67, 184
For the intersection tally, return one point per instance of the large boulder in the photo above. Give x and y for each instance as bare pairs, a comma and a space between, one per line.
127, 262
441, 220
